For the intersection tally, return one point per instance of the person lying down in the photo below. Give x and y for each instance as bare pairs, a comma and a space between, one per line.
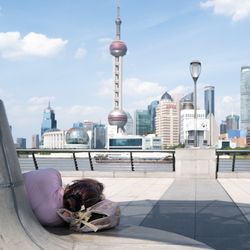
46, 194
81, 204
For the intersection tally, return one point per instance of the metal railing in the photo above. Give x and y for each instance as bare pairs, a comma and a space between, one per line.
231, 159
92, 156
226, 160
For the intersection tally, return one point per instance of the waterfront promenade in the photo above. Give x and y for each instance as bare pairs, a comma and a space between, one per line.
215, 213
163, 210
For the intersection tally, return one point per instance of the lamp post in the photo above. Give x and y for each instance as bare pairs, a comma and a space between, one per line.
195, 70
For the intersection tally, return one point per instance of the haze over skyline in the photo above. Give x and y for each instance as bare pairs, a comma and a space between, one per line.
58, 51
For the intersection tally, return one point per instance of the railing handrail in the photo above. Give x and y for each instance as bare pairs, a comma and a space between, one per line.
232, 151
31, 150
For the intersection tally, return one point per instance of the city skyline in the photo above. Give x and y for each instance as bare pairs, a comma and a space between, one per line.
64, 58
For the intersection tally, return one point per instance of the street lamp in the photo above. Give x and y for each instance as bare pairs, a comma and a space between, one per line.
195, 70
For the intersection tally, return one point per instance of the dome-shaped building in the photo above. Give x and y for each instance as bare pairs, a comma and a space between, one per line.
77, 138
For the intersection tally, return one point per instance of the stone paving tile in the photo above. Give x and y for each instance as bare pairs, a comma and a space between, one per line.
227, 243
199, 209
202, 211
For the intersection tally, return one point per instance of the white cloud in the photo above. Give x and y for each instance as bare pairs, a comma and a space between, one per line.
179, 92
227, 105
38, 103
13, 46
80, 53
227, 99
236, 9
106, 88
104, 47
25, 117
132, 87
83, 110
139, 88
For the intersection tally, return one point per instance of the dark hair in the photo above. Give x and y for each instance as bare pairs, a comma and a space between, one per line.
85, 192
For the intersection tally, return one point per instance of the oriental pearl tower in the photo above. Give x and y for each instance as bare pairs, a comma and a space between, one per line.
117, 49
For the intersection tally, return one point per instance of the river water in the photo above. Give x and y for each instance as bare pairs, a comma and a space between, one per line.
67, 164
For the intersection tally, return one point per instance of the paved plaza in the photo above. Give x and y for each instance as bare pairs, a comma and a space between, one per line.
181, 213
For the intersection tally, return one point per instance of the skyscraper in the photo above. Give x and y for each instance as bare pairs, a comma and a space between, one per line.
209, 100
152, 114
245, 97
89, 128
129, 127
35, 141
118, 49
99, 136
232, 122
142, 122
223, 127
189, 98
21, 143
49, 120
167, 121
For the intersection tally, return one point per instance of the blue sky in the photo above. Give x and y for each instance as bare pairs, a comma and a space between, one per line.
58, 51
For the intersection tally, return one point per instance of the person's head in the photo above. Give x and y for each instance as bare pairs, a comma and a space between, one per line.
85, 192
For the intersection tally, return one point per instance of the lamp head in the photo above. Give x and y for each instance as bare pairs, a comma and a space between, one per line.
195, 69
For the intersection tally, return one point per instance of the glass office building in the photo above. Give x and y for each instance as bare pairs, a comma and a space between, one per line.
142, 122
126, 143
99, 141
232, 122
152, 113
21, 143
209, 100
129, 127
49, 120
245, 97
223, 127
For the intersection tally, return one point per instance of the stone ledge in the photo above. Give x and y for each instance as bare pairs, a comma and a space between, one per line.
117, 174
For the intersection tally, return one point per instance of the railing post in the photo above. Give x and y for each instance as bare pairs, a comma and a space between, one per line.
131, 161
233, 162
34, 160
173, 161
75, 161
90, 162
217, 163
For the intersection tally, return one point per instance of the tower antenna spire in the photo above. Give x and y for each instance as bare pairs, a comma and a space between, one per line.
118, 21
118, 8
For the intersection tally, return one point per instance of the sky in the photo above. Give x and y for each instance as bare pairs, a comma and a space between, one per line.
58, 51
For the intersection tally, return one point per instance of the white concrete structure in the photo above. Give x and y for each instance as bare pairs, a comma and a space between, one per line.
213, 132
187, 124
226, 143
198, 163
167, 122
76, 146
151, 141
122, 141
57, 140
54, 139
